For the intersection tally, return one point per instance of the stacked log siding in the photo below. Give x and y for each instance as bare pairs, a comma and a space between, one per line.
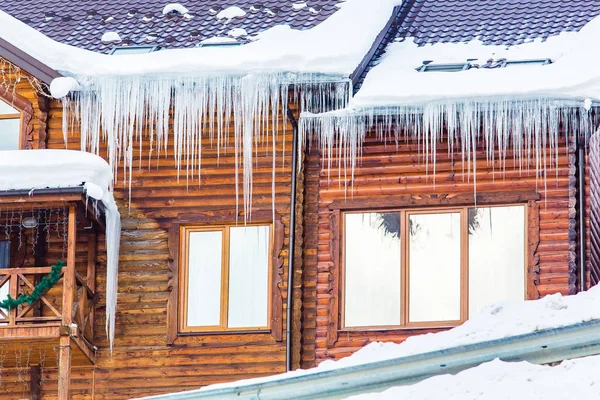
385, 170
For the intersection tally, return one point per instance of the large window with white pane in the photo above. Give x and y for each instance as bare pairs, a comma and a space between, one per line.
225, 277
10, 126
431, 267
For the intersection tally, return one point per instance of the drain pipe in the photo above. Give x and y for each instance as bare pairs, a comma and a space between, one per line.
288, 320
581, 209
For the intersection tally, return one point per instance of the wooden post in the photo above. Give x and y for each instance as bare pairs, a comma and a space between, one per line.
12, 290
64, 366
35, 379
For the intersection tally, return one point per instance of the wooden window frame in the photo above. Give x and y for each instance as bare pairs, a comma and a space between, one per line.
185, 231
213, 221
25, 114
426, 204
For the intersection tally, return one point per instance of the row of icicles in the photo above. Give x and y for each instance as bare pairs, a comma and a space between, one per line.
115, 110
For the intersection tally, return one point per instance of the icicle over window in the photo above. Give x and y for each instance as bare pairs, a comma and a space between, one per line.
529, 128
120, 110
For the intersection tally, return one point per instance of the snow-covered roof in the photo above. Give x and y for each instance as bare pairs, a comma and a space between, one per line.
165, 23
573, 73
334, 46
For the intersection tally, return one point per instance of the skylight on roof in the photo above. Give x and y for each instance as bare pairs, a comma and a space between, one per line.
430, 66
123, 50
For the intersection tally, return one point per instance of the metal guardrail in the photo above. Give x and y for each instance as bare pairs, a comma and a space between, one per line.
541, 347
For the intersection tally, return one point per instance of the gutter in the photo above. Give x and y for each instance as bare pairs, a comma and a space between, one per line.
580, 208
291, 255
23, 60
541, 347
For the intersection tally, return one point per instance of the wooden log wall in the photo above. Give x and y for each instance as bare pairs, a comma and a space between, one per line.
142, 363
385, 171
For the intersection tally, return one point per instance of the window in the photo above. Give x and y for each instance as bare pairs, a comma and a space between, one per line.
4, 254
225, 278
10, 127
419, 268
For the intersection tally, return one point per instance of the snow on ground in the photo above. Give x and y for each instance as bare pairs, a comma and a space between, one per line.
333, 47
573, 73
496, 321
40, 169
498, 380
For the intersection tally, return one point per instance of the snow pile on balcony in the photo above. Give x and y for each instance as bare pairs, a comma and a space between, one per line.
333, 47
41, 169
495, 380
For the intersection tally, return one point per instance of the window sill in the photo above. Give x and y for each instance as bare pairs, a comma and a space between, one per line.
221, 333
398, 328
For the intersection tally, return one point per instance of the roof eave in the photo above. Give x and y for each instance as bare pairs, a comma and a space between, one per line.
28, 63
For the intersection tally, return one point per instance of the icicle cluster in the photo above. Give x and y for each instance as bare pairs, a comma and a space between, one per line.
530, 128
121, 110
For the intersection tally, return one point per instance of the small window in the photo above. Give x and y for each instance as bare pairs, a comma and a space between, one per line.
10, 127
225, 278
418, 268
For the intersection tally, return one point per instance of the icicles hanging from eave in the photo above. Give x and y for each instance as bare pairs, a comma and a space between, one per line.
122, 110
527, 127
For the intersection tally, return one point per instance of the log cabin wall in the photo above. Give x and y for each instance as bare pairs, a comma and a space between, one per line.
385, 172
142, 362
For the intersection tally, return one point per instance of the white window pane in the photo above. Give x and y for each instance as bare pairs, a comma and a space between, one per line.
9, 134
6, 108
249, 276
496, 256
434, 267
204, 278
372, 269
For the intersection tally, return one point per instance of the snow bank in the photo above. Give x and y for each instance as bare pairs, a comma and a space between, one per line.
498, 380
333, 47
40, 169
496, 321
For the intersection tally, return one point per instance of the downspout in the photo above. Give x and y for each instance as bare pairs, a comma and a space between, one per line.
581, 209
288, 320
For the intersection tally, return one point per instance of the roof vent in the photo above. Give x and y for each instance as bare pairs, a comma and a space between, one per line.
122, 50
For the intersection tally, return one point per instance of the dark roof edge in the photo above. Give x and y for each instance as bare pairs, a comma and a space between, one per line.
28, 63
380, 43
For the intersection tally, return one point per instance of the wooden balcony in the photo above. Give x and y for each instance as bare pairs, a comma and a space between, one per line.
59, 326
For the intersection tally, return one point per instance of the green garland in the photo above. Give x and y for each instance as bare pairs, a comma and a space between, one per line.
47, 282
